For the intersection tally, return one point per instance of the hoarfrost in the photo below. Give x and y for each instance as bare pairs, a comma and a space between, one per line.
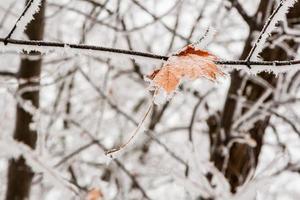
278, 15
26, 18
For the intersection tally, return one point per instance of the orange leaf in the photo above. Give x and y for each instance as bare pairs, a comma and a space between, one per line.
94, 194
191, 63
167, 78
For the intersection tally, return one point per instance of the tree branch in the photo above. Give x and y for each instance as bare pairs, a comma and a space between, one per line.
43, 46
268, 28
28, 5
8, 74
248, 19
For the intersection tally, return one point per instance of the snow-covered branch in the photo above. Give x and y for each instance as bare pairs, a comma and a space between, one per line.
19, 27
81, 49
277, 15
15, 149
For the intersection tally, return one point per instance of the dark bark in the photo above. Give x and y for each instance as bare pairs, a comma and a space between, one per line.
19, 174
242, 157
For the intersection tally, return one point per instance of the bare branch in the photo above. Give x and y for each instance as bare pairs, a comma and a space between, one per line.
248, 19
8, 74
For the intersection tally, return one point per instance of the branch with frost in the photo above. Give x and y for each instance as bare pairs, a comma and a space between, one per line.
31, 8
78, 49
16, 149
150, 133
115, 160
31, 109
253, 109
277, 15
270, 111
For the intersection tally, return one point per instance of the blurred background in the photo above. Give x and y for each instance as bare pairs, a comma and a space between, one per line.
60, 110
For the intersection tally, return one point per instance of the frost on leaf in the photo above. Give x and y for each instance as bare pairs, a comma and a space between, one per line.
94, 194
190, 63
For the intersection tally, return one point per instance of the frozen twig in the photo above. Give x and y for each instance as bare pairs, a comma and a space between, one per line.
277, 15
44, 47
27, 15
15, 149
135, 132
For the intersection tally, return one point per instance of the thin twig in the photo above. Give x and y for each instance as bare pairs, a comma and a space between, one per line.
8, 74
29, 43
15, 26
191, 125
122, 146
149, 133
248, 19
163, 24
263, 31
117, 161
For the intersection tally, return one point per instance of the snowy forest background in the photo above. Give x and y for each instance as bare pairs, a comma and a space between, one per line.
63, 106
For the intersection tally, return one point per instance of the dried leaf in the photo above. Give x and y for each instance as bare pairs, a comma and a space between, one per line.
94, 194
191, 63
